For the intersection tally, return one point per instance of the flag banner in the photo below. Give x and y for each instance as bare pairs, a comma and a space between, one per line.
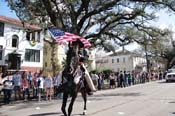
65, 37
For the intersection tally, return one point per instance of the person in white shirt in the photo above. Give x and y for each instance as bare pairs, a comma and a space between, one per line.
40, 82
7, 89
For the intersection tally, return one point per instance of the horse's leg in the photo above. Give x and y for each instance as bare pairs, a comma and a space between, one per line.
74, 96
84, 95
65, 97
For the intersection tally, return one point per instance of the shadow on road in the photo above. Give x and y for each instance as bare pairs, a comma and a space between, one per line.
106, 96
118, 94
163, 82
77, 114
47, 114
172, 102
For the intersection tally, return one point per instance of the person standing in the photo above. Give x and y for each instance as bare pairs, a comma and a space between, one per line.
121, 80
34, 83
100, 81
1, 76
95, 78
7, 89
17, 80
25, 87
29, 78
125, 79
129, 78
112, 81
1, 85
40, 83
55, 85
48, 87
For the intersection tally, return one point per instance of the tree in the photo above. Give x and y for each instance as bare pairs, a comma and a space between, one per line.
116, 20
163, 47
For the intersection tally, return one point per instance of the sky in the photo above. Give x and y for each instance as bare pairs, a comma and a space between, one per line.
165, 19
5, 11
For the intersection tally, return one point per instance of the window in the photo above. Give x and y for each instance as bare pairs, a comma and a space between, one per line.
1, 51
32, 55
112, 60
1, 29
38, 36
33, 36
28, 36
123, 60
117, 60
15, 41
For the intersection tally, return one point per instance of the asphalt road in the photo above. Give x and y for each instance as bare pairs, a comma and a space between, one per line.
150, 99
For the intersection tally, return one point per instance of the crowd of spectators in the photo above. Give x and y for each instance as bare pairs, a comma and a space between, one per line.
25, 85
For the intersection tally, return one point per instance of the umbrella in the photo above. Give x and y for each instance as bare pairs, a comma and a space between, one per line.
65, 37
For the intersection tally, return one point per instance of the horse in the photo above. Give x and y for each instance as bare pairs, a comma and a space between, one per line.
72, 89
75, 65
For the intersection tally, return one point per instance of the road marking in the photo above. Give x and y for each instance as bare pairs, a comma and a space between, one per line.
37, 108
121, 113
88, 101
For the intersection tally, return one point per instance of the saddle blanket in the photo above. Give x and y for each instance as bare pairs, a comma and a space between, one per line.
89, 80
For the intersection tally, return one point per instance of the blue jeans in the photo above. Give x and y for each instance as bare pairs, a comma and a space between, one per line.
7, 96
17, 90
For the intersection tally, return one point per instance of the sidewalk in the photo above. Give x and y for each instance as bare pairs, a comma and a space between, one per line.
79, 95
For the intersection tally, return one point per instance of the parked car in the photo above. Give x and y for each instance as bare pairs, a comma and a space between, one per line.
170, 76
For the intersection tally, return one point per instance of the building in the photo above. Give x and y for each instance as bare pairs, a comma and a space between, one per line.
121, 61
56, 54
21, 46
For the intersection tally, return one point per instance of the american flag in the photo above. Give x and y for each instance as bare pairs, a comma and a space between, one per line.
56, 33
65, 37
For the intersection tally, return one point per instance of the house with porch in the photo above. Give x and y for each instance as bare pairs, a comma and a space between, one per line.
123, 60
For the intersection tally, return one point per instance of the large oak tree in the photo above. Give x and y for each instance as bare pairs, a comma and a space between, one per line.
121, 21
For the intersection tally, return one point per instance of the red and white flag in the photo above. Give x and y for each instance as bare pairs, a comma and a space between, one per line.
65, 37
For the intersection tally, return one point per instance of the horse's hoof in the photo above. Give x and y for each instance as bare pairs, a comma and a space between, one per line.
84, 112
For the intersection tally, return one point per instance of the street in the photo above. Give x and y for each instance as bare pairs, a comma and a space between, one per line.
150, 99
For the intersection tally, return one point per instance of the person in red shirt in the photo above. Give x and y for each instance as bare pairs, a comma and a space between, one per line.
25, 87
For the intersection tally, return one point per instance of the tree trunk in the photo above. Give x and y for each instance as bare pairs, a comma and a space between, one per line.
53, 57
